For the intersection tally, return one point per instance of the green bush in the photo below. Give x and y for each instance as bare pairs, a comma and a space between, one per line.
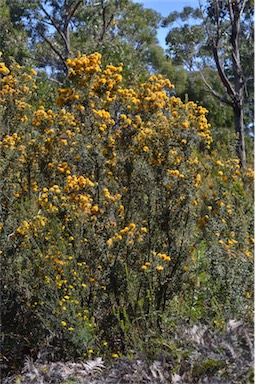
117, 215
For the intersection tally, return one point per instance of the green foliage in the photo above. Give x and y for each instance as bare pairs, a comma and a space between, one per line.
117, 29
13, 38
220, 115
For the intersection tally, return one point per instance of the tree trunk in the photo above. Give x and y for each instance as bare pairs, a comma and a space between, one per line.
234, 87
239, 128
235, 18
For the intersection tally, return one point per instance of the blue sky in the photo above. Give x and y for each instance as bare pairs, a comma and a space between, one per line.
165, 7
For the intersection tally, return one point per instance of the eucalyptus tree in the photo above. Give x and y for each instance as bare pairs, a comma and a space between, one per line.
121, 30
50, 24
219, 34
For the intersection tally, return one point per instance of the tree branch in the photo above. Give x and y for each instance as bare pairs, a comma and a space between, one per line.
222, 74
243, 6
55, 50
71, 13
231, 12
106, 24
55, 24
214, 93
53, 21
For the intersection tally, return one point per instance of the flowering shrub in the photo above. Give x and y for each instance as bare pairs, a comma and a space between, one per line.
114, 209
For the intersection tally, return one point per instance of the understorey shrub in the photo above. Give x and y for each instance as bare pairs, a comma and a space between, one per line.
118, 216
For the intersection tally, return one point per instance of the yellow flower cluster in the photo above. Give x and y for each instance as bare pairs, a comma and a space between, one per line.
153, 94
3, 69
128, 95
23, 229
16, 90
175, 173
108, 82
108, 195
66, 95
162, 256
152, 97
128, 233
53, 198
10, 142
105, 115
82, 65
145, 266
43, 116
76, 183
62, 167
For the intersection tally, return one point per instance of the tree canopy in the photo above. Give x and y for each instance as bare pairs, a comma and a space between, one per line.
118, 29
219, 35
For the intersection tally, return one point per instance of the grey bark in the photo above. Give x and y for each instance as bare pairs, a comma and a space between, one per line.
236, 90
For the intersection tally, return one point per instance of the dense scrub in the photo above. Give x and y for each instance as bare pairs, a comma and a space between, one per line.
120, 216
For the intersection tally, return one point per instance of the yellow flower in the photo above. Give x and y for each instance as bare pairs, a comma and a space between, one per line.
33, 72
63, 142
115, 355
198, 177
63, 323
159, 268
95, 209
185, 124
173, 172
109, 242
3, 69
